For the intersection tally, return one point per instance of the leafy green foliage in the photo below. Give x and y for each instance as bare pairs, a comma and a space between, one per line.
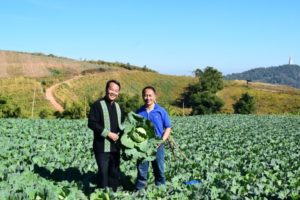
245, 105
198, 72
201, 96
56, 72
45, 113
234, 156
206, 103
74, 111
8, 109
296, 112
38, 156
187, 94
211, 80
129, 103
138, 139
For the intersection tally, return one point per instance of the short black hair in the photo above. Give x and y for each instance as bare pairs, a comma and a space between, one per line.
148, 87
112, 81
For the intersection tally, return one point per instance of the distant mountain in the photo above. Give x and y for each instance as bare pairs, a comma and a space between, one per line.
284, 75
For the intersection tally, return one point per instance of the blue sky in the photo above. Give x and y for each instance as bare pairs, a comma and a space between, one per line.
169, 36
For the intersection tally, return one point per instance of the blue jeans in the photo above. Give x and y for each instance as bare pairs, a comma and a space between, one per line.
158, 170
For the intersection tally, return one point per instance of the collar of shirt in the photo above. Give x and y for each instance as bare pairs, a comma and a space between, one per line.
157, 117
144, 109
108, 102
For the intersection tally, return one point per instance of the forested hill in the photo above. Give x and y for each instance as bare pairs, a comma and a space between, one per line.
284, 74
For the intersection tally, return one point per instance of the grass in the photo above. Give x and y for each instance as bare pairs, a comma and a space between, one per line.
21, 91
270, 99
132, 82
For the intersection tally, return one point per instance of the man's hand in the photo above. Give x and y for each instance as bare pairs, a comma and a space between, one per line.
160, 143
165, 136
113, 136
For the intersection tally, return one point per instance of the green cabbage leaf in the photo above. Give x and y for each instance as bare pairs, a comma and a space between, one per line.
139, 140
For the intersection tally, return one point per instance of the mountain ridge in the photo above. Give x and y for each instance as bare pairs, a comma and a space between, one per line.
288, 74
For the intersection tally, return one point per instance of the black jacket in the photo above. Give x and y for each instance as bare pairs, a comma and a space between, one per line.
96, 123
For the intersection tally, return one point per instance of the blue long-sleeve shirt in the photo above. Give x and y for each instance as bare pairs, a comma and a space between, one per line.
158, 116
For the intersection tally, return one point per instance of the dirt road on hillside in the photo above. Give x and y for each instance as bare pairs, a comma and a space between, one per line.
50, 96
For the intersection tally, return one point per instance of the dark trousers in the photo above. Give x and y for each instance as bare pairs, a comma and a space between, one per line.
108, 169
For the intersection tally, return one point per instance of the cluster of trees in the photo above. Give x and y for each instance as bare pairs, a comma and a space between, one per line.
129, 103
8, 109
245, 105
202, 98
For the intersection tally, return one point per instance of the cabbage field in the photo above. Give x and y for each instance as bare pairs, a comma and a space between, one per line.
231, 157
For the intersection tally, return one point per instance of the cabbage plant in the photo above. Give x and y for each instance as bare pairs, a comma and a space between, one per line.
139, 140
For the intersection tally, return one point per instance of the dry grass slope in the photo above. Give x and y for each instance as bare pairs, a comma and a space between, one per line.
14, 64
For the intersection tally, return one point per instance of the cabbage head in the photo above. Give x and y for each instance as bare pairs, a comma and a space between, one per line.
139, 140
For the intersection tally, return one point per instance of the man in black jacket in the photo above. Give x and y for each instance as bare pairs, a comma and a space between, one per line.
105, 119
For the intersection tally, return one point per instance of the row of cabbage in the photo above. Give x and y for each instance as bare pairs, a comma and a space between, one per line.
230, 156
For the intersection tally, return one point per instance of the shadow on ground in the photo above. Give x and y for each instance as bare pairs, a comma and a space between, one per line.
83, 180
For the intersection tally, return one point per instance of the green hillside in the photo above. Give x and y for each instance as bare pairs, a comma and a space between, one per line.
284, 75
21, 91
132, 82
270, 99
90, 87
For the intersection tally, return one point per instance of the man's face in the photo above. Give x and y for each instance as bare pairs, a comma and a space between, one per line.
112, 92
149, 97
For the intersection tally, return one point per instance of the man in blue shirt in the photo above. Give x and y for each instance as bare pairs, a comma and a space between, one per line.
160, 119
